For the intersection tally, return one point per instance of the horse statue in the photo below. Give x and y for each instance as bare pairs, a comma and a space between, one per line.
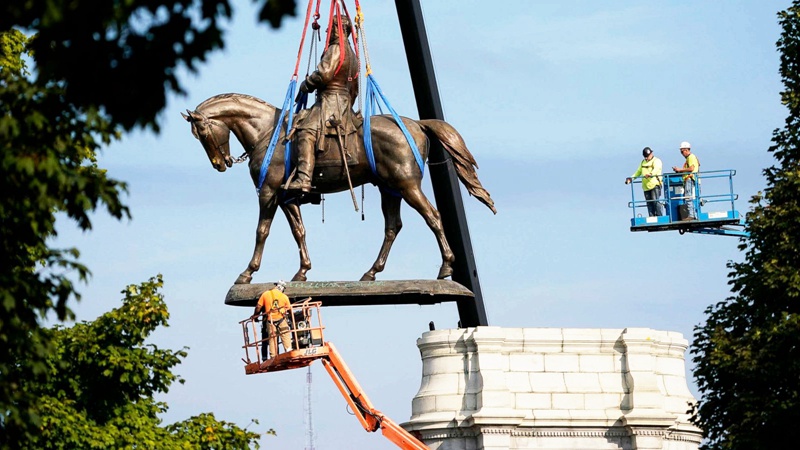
253, 121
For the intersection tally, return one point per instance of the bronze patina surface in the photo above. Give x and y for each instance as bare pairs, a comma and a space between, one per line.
352, 293
252, 122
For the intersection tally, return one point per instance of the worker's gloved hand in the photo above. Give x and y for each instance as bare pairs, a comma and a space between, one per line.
628, 180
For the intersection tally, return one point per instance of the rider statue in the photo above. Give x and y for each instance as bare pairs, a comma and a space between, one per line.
336, 82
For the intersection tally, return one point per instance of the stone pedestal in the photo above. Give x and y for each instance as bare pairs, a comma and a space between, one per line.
553, 388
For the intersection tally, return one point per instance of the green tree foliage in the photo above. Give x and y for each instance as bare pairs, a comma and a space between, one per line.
747, 354
48, 168
102, 383
133, 46
99, 69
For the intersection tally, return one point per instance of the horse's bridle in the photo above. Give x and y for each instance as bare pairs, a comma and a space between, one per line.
208, 123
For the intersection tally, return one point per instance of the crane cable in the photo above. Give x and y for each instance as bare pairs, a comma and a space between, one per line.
374, 93
336, 7
290, 92
359, 23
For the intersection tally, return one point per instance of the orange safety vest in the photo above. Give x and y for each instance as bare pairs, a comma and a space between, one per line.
276, 303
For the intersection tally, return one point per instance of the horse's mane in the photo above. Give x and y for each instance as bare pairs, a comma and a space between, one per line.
221, 102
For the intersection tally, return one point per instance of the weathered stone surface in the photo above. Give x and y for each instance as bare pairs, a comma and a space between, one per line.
354, 293
553, 389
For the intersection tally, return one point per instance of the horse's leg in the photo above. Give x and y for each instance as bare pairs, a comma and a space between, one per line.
267, 205
416, 198
390, 205
292, 212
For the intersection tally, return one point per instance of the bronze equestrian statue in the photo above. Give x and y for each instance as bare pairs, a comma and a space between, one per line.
252, 121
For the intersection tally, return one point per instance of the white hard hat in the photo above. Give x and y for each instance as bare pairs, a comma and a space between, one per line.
685, 144
281, 285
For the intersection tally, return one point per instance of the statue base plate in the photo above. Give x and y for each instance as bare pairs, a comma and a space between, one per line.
357, 293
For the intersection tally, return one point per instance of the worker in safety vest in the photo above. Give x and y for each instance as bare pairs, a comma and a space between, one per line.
690, 168
650, 171
336, 82
276, 305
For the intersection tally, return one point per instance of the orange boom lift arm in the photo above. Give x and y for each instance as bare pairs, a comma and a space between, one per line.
309, 345
371, 419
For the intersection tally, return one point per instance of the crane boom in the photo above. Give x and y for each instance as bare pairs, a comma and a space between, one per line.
371, 419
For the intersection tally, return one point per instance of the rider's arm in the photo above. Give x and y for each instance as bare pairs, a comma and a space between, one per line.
326, 68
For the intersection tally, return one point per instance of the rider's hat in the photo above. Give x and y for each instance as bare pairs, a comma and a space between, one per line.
345, 22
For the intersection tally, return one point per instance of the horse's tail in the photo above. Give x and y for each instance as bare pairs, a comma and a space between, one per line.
463, 160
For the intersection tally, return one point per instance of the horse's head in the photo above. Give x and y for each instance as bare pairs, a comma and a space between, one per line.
214, 135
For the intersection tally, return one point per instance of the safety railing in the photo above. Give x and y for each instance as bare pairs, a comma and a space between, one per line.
305, 330
673, 193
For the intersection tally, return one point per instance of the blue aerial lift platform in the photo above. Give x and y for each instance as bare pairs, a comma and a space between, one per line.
715, 208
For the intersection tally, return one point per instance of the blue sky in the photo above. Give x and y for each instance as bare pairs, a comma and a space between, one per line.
555, 99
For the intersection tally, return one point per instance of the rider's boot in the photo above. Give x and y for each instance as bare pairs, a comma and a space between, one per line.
305, 162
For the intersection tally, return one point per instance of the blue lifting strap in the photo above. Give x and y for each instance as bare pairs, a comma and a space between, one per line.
287, 103
302, 101
372, 89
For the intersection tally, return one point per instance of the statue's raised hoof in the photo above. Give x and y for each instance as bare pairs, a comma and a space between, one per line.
444, 272
244, 279
367, 277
